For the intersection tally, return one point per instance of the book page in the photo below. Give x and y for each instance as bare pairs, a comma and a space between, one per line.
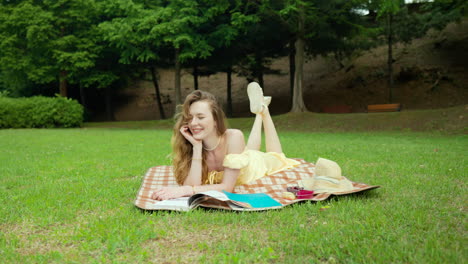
217, 195
213, 199
180, 204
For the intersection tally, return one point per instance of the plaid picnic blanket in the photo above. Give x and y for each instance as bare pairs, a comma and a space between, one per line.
273, 185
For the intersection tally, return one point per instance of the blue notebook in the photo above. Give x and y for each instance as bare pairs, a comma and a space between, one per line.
255, 200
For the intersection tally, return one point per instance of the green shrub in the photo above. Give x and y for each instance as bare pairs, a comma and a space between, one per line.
4, 93
40, 111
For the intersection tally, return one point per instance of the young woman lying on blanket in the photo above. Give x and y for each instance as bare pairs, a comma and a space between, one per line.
208, 156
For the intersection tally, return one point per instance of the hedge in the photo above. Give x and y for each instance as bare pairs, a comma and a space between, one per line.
40, 112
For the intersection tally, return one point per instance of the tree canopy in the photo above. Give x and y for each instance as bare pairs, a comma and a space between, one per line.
77, 44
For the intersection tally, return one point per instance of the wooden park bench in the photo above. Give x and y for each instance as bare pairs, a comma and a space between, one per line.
383, 108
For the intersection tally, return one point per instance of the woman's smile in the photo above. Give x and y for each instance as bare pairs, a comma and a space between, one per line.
196, 131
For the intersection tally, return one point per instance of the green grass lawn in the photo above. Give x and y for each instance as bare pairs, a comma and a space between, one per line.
67, 196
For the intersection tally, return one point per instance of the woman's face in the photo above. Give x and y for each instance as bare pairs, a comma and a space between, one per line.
201, 124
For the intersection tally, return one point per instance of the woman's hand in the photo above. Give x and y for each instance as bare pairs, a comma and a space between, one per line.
166, 193
185, 131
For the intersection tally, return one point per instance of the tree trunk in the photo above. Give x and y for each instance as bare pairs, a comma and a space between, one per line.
259, 69
390, 57
339, 58
229, 92
63, 75
261, 81
154, 78
83, 97
292, 68
195, 77
109, 108
298, 100
177, 89
63, 83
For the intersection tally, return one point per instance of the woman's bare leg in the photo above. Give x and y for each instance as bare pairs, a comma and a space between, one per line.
272, 140
259, 106
255, 138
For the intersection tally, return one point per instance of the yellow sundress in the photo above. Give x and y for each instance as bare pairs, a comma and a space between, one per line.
253, 165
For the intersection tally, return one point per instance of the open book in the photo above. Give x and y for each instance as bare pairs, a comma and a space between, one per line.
219, 200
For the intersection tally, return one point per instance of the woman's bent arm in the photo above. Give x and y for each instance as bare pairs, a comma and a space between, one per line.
195, 173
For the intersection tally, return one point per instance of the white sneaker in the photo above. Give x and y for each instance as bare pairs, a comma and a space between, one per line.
255, 93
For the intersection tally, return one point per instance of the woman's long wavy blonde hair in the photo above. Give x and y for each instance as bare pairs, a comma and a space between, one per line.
181, 148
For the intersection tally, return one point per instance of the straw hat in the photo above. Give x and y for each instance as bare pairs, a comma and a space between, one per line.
327, 178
